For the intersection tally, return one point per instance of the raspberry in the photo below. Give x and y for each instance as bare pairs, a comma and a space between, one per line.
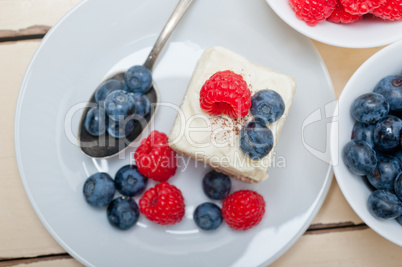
360, 7
389, 10
163, 204
243, 209
341, 16
312, 11
225, 92
154, 158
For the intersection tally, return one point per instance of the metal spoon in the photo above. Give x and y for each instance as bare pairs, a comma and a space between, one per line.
105, 145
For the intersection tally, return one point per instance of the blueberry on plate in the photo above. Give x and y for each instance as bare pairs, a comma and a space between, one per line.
385, 173
123, 213
267, 106
138, 79
107, 87
119, 105
256, 140
391, 88
398, 186
359, 157
95, 121
399, 219
120, 129
216, 185
369, 108
208, 216
99, 189
129, 182
364, 132
387, 134
143, 105
384, 204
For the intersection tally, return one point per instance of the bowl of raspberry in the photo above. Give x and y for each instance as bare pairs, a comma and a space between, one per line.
344, 23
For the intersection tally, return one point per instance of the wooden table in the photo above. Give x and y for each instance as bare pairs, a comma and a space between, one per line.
336, 237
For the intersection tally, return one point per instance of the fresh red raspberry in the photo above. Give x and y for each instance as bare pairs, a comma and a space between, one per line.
163, 204
312, 11
341, 16
154, 158
360, 7
389, 10
225, 92
243, 209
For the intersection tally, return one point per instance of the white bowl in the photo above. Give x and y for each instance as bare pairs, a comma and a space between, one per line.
363, 34
387, 61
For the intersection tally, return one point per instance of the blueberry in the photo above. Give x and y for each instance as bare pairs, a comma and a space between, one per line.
359, 157
391, 88
398, 186
256, 140
399, 219
216, 185
129, 182
95, 121
208, 216
384, 204
138, 79
398, 155
99, 189
120, 129
123, 213
267, 106
119, 105
383, 176
369, 108
107, 87
143, 105
387, 134
364, 132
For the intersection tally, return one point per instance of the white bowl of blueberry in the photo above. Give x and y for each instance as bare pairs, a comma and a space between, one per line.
366, 145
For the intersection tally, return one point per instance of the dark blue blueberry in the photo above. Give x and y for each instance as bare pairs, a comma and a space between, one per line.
123, 213
256, 140
383, 176
399, 219
359, 157
138, 79
391, 88
267, 106
99, 189
398, 186
95, 121
216, 185
120, 129
369, 108
398, 155
143, 105
119, 105
364, 132
129, 182
384, 204
387, 134
107, 87
207, 216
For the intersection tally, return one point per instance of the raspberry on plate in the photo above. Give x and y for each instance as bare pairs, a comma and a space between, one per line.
155, 159
163, 204
360, 7
389, 10
314, 11
243, 209
225, 92
341, 16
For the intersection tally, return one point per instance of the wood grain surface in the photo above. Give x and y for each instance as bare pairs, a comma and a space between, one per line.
336, 237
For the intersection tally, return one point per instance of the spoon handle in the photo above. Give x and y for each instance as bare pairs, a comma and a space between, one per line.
177, 14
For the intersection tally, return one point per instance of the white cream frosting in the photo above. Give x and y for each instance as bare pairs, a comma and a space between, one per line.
215, 139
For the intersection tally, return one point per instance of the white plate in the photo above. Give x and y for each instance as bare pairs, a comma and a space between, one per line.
81, 50
387, 61
369, 32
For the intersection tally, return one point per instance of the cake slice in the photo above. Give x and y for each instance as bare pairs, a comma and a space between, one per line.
214, 140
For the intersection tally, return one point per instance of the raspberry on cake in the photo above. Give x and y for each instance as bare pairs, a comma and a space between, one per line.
215, 139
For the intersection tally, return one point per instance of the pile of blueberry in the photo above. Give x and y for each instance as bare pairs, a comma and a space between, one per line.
99, 190
117, 103
256, 139
375, 150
